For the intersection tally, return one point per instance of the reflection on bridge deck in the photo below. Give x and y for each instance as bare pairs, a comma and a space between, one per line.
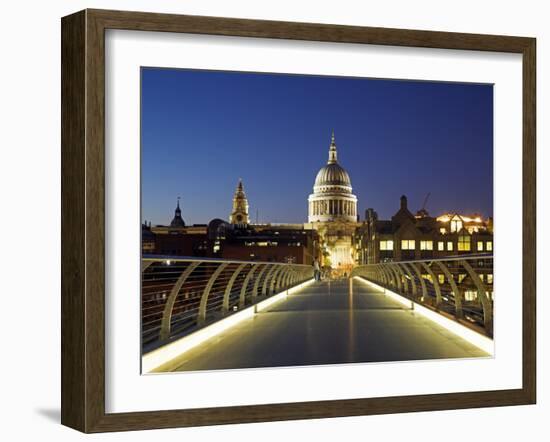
328, 322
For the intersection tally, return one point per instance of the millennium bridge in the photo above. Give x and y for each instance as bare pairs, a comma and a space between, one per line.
206, 314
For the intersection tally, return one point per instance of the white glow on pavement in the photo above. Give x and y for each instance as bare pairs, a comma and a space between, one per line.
163, 355
482, 342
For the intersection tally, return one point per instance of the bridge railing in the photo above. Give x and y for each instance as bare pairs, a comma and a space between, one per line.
459, 286
180, 295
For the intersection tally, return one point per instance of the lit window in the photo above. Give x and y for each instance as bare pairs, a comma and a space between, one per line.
456, 225
464, 243
441, 246
482, 277
449, 245
490, 278
441, 278
426, 245
386, 245
407, 244
480, 246
461, 277
470, 295
489, 246
442, 230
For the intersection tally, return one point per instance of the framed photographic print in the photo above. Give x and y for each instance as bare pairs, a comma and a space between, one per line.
268, 220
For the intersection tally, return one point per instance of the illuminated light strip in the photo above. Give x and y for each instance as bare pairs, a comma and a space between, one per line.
482, 342
279, 297
164, 355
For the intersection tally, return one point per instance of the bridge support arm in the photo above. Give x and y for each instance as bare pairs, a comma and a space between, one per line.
482, 295
267, 279
421, 280
457, 294
206, 292
411, 278
435, 283
227, 292
242, 295
166, 321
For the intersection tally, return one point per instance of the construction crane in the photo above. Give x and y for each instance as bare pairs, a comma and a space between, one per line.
422, 213
426, 201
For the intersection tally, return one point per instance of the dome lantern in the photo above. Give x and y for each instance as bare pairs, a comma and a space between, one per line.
332, 152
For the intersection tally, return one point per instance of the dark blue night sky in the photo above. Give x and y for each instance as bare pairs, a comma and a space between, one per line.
203, 130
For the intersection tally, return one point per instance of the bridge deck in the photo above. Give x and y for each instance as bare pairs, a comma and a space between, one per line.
327, 323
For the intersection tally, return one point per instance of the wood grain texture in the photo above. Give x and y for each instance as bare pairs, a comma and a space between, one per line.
73, 252
83, 219
529, 221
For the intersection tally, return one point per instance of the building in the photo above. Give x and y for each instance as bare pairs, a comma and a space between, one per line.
239, 214
407, 237
177, 221
291, 243
175, 239
332, 211
147, 239
240, 240
333, 234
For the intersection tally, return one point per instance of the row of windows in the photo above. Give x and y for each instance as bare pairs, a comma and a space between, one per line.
261, 243
271, 244
464, 245
471, 295
461, 276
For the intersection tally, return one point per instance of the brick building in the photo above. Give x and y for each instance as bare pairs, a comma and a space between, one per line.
406, 236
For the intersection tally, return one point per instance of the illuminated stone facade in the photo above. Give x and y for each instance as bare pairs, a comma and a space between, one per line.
332, 211
239, 214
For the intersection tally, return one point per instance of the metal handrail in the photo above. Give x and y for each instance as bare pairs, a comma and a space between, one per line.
441, 284
147, 257
443, 258
182, 294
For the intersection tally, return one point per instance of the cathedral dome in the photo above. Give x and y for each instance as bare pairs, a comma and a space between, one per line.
332, 175
332, 199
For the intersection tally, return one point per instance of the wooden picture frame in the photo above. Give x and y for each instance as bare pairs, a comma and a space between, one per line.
83, 220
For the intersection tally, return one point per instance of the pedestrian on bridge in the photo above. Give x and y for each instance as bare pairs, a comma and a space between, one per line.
316, 270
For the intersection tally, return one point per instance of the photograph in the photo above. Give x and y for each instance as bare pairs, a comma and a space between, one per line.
302, 220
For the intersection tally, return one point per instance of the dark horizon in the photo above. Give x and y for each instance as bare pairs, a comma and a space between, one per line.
203, 130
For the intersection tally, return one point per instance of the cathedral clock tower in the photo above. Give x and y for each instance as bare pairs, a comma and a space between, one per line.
239, 215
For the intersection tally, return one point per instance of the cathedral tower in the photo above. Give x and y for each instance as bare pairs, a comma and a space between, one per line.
239, 214
177, 221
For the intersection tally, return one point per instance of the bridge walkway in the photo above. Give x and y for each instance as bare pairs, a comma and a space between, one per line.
329, 322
